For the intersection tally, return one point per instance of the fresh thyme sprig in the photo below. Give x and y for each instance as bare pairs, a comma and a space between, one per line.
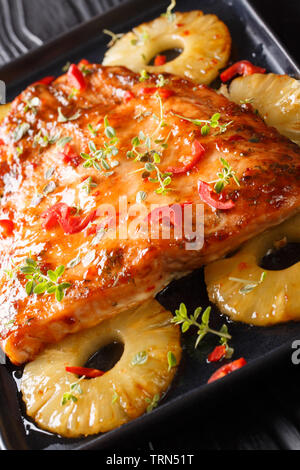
172, 362
140, 39
32, 105
103, 156
93, 130
88, 185
162, 81
38, 283
114, 37
140, 358
181, 318
85, 70
152, 403
144, 76
43, 139
170, 15
249, 286
207, 125
20, 131
150, 156
225, 176
74, 388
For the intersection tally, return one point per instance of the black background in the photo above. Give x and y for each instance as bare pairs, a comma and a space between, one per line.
260, 415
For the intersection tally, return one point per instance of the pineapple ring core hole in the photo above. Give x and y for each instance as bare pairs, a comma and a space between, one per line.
281, 258
171, 54
107, 357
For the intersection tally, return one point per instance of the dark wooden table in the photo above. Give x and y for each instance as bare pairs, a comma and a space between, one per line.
260, 415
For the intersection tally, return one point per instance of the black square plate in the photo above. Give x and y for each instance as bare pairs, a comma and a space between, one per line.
252, 40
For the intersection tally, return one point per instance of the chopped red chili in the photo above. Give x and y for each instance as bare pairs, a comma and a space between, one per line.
235, 138
76, 77
160, 60
83, 62
45, 81
205, 192
85, 372
227, 369
62, 214
128, 96
6, 228
164, 92
218, 353
70, 157
198, 152
244, 67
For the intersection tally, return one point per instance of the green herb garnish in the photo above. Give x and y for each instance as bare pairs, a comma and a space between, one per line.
170, 15
249, 286
88, 185
162, 81
141, 196
38, 283
181, 318
74, 388
103, 156
114, 37
32, 105
20, 131
171, 360
140, 358
207, 125
153, 403
144, 76
43, 139
225, 176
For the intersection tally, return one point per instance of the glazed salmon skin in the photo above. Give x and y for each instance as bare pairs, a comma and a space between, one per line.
70, 145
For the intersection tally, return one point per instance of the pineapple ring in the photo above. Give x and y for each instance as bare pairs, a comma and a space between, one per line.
120, 395
204, 39
276, 299
276, 97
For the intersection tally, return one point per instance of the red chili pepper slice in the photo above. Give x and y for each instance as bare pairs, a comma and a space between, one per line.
218, 353
45, 81
83, 62
160, 60
6, 228
62, 214
76, 77
198, 152
244, 67
164, 92
128, 96
205, 192
71, 157
227, 369
83, 371
235, 138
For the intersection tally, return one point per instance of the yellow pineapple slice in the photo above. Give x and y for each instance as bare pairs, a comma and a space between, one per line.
276, 97
135, 383
205, 42
238, 286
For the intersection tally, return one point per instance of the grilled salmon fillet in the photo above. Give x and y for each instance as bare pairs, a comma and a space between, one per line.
66, 150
